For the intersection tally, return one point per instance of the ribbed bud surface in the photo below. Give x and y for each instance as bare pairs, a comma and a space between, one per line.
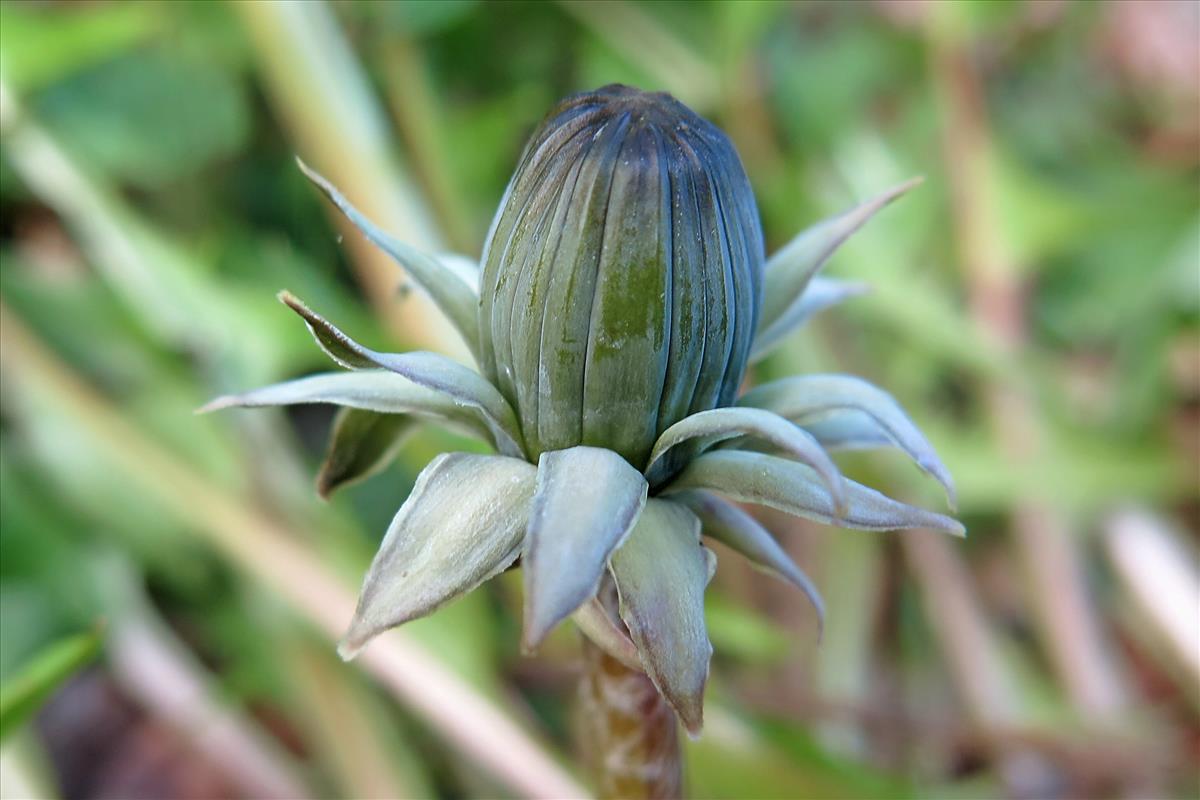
622, 274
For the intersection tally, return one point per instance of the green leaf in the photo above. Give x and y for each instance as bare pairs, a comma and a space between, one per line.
779, 760
24, 693
814, 398
661, 572
788, 272
822, 293
150, 117
727, 423
794, 488
458, 299
461, 384
733, 527
463, 523
362, 443
586, 503
40, 44
744, 633
415, 18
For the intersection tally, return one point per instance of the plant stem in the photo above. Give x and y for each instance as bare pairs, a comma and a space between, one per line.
630, 735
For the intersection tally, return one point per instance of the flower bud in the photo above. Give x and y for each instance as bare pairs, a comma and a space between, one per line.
622, 274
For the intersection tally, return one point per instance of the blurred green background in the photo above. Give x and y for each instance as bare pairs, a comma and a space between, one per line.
170, 587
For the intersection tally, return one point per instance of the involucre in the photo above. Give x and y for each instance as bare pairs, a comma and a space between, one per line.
622, 276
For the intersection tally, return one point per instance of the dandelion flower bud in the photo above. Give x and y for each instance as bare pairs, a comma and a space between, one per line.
622, 274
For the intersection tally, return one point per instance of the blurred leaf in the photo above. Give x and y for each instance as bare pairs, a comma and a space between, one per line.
1078, 471
744, 634
39, 44
23, 694
363, 749
149, 117
775, 761
414, 17
742, 25
42, 595
816, 113
1038, 216
987, 18
485, 144
648, 38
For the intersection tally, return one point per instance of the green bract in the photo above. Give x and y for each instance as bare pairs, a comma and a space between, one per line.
622, 295
622, 274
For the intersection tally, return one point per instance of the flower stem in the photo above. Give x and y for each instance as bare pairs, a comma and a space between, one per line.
630, 735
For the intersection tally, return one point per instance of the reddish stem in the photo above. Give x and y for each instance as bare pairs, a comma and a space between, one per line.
630, 735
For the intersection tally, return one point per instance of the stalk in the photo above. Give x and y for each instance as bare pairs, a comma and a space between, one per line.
629, 733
